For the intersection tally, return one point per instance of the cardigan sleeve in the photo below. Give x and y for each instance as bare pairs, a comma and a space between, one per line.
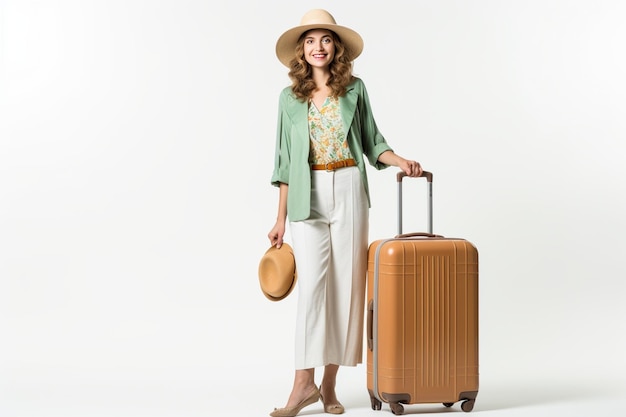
282, 159
373, 141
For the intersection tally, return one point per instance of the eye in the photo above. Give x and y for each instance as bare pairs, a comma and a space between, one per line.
327, 40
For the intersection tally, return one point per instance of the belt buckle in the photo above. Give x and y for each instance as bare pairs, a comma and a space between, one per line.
329, 166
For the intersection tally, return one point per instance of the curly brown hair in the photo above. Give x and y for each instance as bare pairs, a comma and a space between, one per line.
340, 71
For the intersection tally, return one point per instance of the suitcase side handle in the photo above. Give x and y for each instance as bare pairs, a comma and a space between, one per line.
370, 325
429, 178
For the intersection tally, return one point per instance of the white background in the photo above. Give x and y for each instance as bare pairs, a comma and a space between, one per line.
136, 149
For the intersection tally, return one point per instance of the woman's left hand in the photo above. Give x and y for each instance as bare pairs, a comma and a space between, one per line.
411, 168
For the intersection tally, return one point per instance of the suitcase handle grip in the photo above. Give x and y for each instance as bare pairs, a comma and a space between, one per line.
417, 234
425, 174
370, 325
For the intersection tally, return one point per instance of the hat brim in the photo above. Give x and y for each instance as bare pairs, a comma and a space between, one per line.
277, 272
272, 298
287, 42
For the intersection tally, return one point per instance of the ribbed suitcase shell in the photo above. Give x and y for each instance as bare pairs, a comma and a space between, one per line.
422, 325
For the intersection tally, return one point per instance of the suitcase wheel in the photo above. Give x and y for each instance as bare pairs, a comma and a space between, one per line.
396, 408
448, 404
376, 404
467, 405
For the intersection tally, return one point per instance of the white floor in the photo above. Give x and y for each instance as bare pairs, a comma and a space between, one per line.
540, 397
82, 395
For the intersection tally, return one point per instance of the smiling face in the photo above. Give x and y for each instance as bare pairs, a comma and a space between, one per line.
319, 48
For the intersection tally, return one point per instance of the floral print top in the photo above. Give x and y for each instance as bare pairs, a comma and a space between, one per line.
328, 139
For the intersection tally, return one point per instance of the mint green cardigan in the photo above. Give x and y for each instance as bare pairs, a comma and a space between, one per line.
291, 162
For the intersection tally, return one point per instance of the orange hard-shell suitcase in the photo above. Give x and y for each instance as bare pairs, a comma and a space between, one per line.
422, 318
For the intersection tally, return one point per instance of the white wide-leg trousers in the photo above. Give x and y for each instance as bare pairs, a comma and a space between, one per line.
330, 249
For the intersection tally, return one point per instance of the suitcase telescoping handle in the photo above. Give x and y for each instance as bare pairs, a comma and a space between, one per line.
429, 178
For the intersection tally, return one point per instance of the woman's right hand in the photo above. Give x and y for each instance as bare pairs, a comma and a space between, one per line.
276, 234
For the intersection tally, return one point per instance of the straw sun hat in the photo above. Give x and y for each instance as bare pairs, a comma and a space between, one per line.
317, 19
277, 272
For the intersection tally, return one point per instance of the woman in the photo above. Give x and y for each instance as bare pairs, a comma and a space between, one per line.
325, 130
